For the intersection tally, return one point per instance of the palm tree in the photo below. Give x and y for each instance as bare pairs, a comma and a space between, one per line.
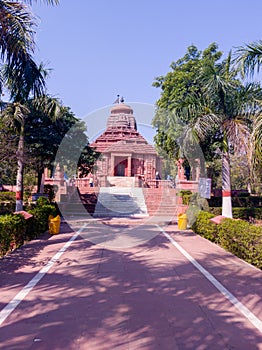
15, 115
223, 103
17, 28
236, 105
249, 60
22, 76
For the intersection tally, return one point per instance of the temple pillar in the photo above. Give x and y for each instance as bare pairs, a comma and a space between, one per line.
129, 166
112, 172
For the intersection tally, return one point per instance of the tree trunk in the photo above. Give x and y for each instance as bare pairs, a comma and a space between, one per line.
40, 181
20, 172
226, 186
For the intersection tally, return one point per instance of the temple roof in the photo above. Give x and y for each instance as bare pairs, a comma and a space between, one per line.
121, 134
127, 146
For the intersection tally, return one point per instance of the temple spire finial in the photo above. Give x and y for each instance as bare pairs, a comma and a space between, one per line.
117, 100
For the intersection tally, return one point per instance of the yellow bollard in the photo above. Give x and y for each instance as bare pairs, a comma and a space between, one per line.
54, 224
182, 221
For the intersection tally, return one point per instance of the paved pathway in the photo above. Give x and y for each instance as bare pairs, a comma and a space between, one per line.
175, 291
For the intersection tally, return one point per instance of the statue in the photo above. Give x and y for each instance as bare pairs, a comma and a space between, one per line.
196, 170
180, 169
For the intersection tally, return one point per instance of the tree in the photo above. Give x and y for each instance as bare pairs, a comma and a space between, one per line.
19, 72
178, 88
15, 114
249, 60
215, 102
49, 122
8, 148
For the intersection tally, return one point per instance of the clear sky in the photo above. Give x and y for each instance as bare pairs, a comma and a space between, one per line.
98, 49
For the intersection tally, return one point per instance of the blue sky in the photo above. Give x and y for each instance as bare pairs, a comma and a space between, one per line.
98, 49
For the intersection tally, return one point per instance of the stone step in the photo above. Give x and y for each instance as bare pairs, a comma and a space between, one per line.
161, 201
121, 181
120, 202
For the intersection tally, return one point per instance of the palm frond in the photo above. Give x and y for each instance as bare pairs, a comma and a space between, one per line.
238, 135
249, 58
25, 79
206, 123
48, 2
50, 106
15, 113
257, 139
16, 31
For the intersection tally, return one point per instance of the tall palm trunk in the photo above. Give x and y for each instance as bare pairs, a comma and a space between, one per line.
226, 186
20, 172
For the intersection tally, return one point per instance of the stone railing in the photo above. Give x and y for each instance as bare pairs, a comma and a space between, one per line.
152, 183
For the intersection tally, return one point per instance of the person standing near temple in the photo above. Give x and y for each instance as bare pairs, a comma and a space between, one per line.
91, 181
157, 179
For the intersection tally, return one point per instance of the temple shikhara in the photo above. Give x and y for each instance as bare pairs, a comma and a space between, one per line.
125, 152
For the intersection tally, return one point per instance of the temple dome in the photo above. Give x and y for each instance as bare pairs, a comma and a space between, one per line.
121, 116
121, 108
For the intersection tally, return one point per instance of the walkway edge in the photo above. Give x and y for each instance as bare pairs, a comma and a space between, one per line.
12, 305
242, 308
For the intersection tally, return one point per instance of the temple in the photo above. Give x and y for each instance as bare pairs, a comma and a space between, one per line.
125, 152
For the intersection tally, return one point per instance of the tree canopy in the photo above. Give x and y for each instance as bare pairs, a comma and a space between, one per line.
205, 103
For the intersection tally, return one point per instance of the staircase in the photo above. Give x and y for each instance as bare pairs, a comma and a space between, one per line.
78, 205
71, 207
121, 181
120, 202
163, 202
157, 204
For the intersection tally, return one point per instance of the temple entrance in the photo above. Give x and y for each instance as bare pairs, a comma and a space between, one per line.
121, 168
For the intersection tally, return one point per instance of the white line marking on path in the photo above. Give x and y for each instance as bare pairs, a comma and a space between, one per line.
11, 306
242, 308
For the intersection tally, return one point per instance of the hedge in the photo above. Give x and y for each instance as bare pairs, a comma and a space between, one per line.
14, 229
237, 236
242, 201
247, 214
204, 227
242, 239
39, 222
7, 196
7, 202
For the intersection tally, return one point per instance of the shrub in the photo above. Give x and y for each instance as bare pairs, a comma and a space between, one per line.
43, 201
7, 196
40, 219
12, 232
215, 210
204, 227
240, 213
7, 202
242, 239
243, 194
50, 190
237, 236
239, 201
7, 208
215, 201
186, 196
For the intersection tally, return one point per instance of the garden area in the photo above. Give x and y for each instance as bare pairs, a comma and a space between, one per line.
241, 235
18, 228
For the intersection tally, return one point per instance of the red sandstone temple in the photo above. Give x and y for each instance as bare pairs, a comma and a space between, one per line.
125, 152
